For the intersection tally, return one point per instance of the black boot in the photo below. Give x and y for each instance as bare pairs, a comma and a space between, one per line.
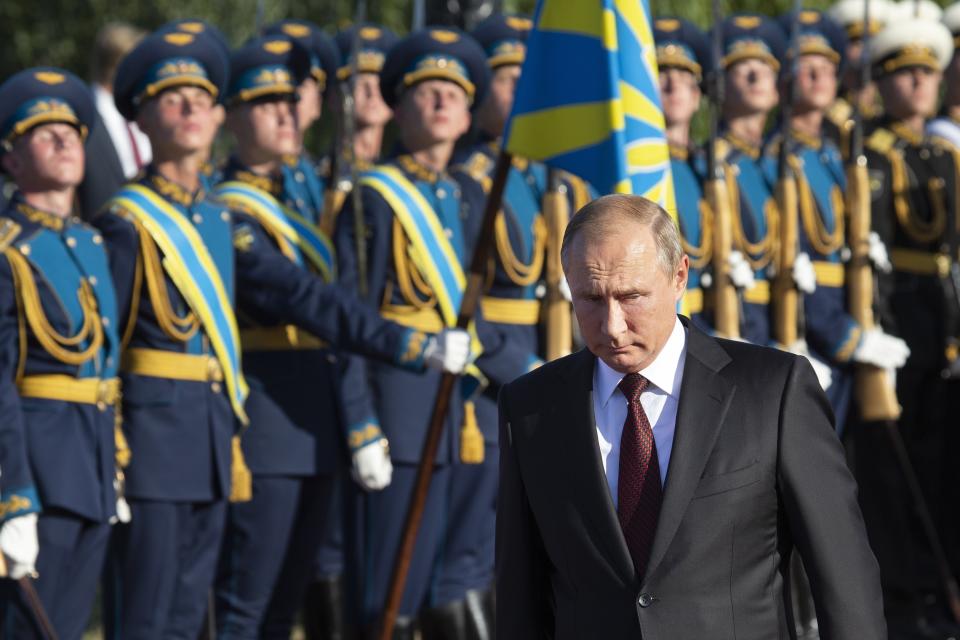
323, 610
447, 622
481, 623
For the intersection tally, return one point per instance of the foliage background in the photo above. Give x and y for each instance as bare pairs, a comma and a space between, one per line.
61, 32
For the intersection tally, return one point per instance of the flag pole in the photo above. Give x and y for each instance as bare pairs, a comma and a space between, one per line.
441, 405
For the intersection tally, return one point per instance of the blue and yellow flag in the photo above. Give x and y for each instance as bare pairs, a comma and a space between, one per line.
588, 100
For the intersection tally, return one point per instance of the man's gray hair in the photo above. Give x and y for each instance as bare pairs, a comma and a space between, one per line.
604, 216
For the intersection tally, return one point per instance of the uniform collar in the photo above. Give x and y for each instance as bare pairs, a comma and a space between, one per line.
171, 190
679, 152
409, 164
905, 134
665, 372
237, 171
743, 146
43, 218
806, 140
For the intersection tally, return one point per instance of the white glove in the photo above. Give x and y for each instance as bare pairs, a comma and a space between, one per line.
564, 288
372, 468
123, 508
804, 275
448, 351
20, 546
881, 349
820, 369
740, 272
878, 253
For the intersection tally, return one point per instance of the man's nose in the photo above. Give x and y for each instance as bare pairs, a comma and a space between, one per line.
614, 323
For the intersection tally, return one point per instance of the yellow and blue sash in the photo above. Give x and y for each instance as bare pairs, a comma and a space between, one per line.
430, 249
192, 269
304, 239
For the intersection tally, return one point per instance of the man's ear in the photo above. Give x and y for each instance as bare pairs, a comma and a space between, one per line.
10, 163
681, 275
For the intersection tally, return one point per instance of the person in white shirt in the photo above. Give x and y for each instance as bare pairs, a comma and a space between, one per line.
113, 42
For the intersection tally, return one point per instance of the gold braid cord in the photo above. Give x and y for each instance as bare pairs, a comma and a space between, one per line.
519, 273
178, 328
824, 242
758, 254
54, 343
700, 256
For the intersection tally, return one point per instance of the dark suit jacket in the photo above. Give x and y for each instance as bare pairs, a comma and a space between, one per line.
103, 173
756, 470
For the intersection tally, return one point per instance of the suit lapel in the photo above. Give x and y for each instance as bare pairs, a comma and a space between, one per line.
591, 492
704, 399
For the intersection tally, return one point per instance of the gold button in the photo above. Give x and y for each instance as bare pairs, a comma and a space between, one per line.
197, 218
225, 216
215, 387
25, 249
93, 280
299, 176
441, 193
98, 239
71, 242
106, 321
943, 265
448, 232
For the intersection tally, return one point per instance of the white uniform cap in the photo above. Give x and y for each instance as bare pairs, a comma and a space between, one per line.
923, 9
951, 18
911, 42
849, 15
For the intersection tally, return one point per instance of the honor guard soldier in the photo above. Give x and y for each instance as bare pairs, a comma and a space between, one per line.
369, 115
832, 335
947, 124
420, 226
293, 440
913, 183
683, 56
58, 369
752, 47
184, 388
463, 603
308, 182
359, 147
839, 121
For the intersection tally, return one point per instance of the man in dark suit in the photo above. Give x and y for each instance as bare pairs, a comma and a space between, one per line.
655, 484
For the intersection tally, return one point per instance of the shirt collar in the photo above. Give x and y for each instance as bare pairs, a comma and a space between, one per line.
662, 372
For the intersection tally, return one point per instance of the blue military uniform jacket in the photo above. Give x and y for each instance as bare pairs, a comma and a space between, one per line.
176, 458
58, 321
754, 230
688, 166
380, 399
293, 404
830, 331
510, 303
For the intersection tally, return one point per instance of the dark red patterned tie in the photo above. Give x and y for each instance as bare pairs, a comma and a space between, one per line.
638, 492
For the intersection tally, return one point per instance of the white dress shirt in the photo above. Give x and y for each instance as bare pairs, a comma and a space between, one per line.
117, 127
660, 401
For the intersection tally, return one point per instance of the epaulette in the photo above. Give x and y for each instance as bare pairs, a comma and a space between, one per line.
478, 166
721, 148
839, 112
881, 140
942, 143
9, 230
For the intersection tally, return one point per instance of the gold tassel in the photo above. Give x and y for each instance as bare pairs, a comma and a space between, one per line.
471, 440
241, 480
122, 449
